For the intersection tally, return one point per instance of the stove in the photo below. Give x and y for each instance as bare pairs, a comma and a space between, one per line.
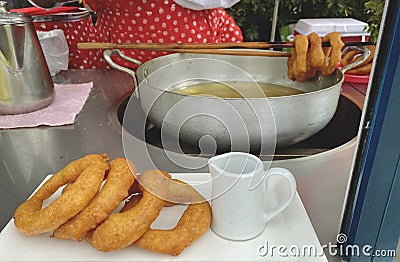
342, 128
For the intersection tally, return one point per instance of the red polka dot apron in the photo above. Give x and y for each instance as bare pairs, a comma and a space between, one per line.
147, 21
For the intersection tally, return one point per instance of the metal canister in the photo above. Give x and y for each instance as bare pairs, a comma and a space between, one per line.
25, 81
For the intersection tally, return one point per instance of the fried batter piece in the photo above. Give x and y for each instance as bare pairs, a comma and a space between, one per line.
115, 189
84, 211
315, 52
300, 61
120, 230
333, 54
86, 174
360, 70
350, 57
353, 56
195, 221
315, 57
308, 57
290, 62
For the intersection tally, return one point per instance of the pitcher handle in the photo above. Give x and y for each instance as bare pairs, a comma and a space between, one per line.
107, 56
277, 171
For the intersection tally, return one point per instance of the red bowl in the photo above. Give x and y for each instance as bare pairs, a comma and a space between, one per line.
356, 78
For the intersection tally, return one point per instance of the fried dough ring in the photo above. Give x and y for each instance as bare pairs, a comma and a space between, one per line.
300, 61
315, 57
305, 61
290, 63
333, 54
123, 229
355, 55
195, 221
115, 189
349, 57
363, 70
315, 53
87, 175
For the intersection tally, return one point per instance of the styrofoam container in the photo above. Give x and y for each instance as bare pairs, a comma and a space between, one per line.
350, 29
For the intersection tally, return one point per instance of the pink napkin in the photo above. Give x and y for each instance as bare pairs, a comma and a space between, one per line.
68, 102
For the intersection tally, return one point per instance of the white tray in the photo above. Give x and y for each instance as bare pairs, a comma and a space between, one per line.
291, 229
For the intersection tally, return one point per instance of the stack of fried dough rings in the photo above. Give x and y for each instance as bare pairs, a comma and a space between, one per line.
95, 188
308, 56
352, 56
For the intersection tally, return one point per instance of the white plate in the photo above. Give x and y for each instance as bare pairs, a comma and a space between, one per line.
288, 237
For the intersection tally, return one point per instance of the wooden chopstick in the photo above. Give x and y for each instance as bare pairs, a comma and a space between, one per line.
208, 48
220, 49
229, 52
162, 47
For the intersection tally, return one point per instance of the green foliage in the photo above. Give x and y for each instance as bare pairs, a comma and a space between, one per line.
374, 10
323, 8
255, 16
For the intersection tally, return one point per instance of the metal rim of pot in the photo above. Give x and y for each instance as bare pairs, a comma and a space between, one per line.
75, 16
109, 52
328, 92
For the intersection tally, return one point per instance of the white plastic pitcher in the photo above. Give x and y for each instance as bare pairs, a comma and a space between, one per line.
238, 202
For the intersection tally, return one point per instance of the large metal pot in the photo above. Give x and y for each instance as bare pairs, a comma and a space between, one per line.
292, 118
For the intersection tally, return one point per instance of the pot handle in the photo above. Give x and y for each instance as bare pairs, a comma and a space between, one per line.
366, 54
107, 56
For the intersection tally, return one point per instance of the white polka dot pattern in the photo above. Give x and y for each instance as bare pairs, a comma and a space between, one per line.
143, 21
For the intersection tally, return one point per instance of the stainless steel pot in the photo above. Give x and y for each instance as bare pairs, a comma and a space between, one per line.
25, 81
65, 17
292, 118
49, 4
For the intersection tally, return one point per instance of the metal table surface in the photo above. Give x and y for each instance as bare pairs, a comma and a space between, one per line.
27, 155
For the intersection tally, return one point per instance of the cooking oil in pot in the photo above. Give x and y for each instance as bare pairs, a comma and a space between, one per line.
236, 89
